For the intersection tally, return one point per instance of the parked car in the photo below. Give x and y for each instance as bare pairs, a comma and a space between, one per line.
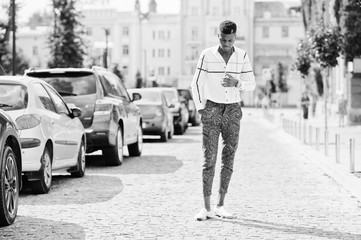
10, 169
194, 116
157, 115
52, 136
179, 111
110, 117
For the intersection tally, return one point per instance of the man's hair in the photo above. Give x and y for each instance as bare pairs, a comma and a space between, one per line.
227, 27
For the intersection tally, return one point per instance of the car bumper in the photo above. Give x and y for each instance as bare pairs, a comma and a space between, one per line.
153, 127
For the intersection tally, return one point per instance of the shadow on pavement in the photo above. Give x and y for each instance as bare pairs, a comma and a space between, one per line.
135, 165
285, 228
66, 190
36, 228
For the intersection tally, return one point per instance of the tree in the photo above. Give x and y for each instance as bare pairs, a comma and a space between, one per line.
303, 62
282, 84
5, 52
352, 29
66, 45
326, 46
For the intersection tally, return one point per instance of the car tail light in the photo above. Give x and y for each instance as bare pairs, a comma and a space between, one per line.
102, 111
28, 121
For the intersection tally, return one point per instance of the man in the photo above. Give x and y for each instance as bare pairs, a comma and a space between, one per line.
222, 72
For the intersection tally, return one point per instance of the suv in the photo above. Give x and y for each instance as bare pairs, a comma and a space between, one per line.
109, 116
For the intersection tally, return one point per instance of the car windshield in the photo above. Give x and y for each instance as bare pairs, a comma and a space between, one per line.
13, 97
171, 96
70, 83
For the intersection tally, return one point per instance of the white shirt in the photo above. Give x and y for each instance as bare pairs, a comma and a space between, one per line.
211, 68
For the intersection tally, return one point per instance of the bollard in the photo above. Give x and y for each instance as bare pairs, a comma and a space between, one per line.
352, 155
326, 142
317, 138
337, 147
310, 135
304, 132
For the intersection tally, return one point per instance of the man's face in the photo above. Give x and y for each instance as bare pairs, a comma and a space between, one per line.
226, 41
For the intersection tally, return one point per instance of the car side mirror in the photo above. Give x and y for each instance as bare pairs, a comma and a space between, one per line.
76, 112
136, 96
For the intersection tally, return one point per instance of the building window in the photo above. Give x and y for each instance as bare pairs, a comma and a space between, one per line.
35, 51
265, 32
168, 34
89, 31
169, 53
153, 53
161, 34
194, 11
168, 69
215, 11
285, 31
125, 50
125, 31
161, 71
194, 33
160, 53
154, 34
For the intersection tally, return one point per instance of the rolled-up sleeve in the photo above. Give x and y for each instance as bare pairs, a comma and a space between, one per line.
198, 81
247, 79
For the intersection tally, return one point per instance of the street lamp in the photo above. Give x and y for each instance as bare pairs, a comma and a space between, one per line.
142, 17
105, 56
14, 40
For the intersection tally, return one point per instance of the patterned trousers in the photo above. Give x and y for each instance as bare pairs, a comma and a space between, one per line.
219, 118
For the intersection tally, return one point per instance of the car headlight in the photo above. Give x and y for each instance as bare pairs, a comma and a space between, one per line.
28, 121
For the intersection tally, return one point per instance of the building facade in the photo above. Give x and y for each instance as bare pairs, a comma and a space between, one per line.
278, 29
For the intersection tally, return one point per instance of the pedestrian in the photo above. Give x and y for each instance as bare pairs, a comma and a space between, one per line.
305, 102
222, 72
117, 72
314, 103
342, 111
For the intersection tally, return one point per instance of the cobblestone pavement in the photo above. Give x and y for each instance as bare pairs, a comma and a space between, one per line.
276, 192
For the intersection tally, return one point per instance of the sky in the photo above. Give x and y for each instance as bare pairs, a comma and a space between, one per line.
28, 7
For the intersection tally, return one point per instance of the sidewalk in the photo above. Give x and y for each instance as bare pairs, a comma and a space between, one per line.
336, 164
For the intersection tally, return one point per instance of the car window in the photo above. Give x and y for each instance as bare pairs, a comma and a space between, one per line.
69, 83
150, 96
185, 93
107, 85
171, 96
118, 88
59, 103
44, 97
13, 97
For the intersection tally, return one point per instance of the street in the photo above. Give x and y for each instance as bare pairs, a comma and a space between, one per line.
276, 192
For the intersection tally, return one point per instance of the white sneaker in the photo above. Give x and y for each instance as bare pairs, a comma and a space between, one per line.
203, 215
222, 212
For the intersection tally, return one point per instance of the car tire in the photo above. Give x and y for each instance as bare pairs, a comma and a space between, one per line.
80, 168
10, 187
114, 155
135, 149
43, 185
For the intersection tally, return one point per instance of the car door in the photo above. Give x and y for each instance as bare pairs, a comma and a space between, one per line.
124, 105
72, 132
57, 125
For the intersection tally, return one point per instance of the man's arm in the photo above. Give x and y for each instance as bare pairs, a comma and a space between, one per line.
247, 80
197, 82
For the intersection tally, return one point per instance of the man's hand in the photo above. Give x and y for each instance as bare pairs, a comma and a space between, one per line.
229, 81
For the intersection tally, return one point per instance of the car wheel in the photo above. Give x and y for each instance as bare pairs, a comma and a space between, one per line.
114, 155
80, 168
43, 185
136, 148
9, 189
